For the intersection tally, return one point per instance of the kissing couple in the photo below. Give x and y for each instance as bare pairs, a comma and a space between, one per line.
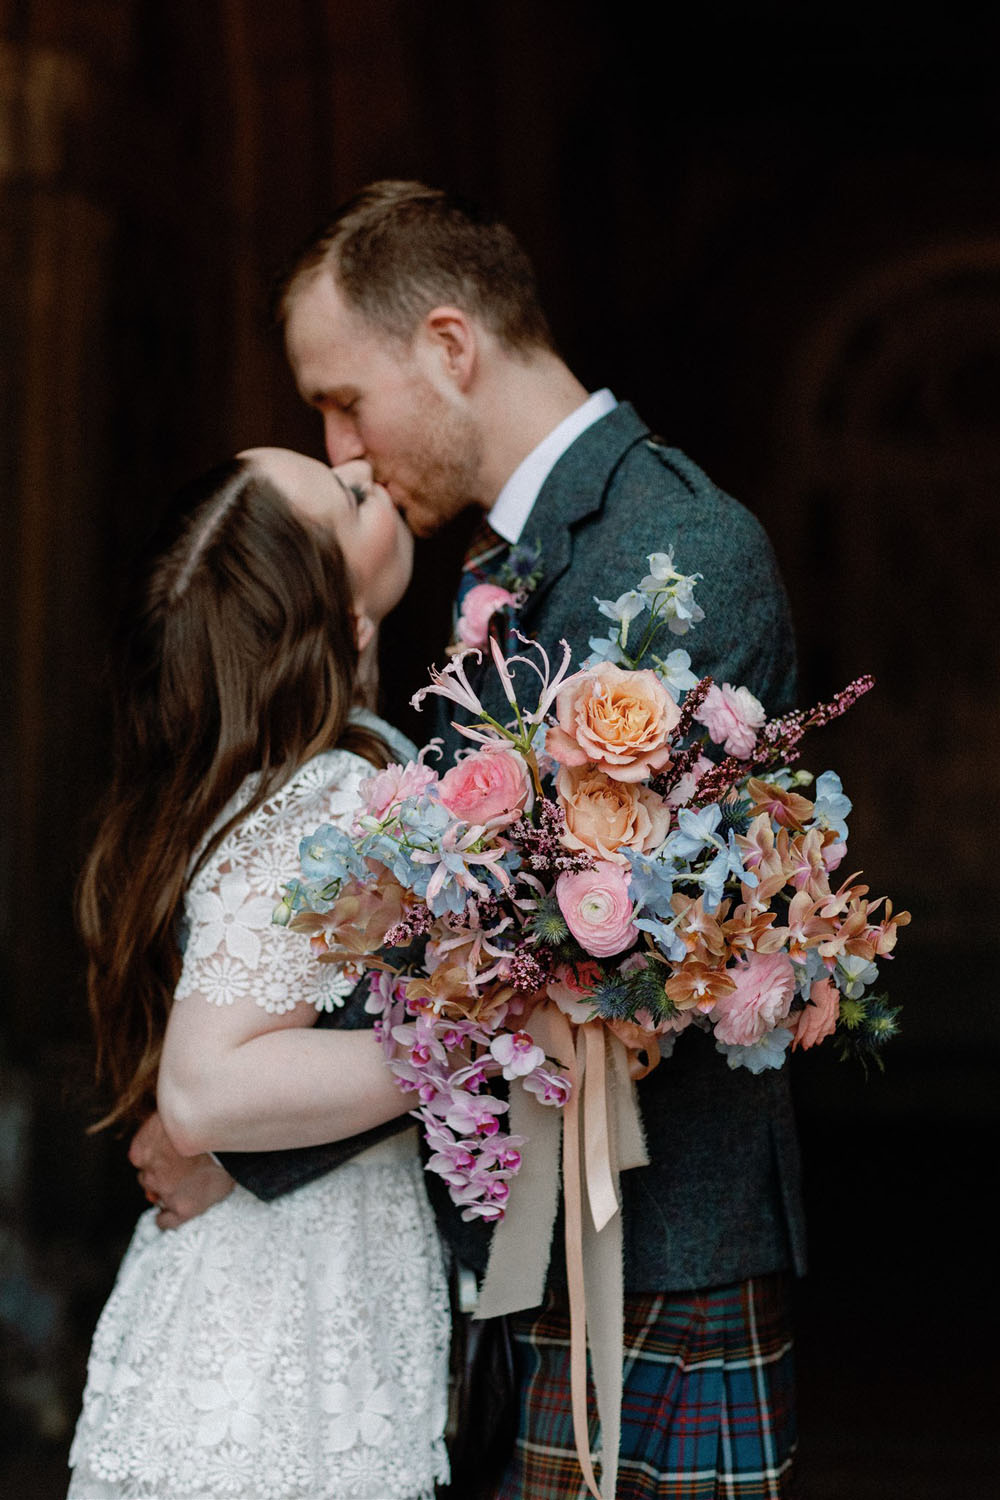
279, 1329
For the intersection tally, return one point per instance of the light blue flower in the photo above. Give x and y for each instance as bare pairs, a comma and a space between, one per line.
605, 648
832, 805
769, 1052
695, 831
675, 673
664, 936
652, 883
624, 609
858, 972
328, 854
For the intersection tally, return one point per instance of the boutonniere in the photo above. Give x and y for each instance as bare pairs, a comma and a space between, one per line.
483, 596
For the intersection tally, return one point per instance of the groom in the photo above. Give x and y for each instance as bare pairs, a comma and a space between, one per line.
413, 327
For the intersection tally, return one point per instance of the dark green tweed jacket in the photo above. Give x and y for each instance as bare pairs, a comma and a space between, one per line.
720, 1200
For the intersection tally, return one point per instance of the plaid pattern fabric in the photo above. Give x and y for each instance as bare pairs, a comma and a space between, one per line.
707, 1407
484, 553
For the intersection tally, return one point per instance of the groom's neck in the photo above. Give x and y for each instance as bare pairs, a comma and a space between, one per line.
521, 401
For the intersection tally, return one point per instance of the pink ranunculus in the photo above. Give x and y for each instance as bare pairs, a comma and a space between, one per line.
597, 908
478, 608
620, 720
732, 716
486, 785
387, 789
819, 1019
764, 988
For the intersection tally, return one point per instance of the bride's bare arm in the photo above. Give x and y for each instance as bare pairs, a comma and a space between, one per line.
234, 1078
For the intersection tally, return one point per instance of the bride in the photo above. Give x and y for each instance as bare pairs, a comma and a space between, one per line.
294, 1350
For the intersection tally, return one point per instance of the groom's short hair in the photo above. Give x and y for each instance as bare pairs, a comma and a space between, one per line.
398, 249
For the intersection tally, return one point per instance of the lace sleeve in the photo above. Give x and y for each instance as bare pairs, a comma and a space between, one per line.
234, 952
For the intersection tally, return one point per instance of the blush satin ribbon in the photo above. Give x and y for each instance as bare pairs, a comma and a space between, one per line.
601, 1136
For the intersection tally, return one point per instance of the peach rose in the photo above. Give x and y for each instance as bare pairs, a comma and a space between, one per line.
597, 909
620, 720
764, 985
486, 785
605, 815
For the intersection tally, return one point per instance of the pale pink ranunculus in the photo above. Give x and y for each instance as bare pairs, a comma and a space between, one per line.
478, 608
732, 716
764, 989
819, 1019
486, 785
606, 816
620, 720
387, 789
597, 909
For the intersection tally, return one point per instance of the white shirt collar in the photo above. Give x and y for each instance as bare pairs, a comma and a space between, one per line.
514, 504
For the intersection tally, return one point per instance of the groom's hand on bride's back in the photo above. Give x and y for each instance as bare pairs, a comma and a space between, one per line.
181, 1187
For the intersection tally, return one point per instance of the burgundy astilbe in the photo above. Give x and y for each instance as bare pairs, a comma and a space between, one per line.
684, 760
542, 847
528, 969
416, 924
778, 741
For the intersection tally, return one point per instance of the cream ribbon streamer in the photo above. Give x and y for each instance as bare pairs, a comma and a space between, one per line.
601, 1136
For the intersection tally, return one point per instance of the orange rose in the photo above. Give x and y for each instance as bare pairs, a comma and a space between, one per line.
606, 816
620, 720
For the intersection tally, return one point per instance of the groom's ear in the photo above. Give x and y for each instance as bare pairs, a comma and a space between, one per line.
451, 338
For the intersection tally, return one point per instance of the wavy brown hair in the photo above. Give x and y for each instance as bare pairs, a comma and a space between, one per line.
235, 654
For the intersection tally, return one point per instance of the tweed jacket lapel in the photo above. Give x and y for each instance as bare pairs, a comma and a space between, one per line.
574, 490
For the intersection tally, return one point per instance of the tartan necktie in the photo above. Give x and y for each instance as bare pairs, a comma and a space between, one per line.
484, 554
484, 546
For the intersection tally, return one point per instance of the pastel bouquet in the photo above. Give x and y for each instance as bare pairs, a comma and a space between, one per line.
632, 848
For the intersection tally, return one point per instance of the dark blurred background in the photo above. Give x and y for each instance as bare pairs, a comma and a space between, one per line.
775, 228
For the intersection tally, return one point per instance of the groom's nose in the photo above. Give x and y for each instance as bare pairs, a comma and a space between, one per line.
342, 438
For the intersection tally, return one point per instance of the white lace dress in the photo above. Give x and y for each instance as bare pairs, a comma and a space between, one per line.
293, 1350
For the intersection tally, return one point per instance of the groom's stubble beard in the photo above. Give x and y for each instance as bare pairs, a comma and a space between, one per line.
441, 474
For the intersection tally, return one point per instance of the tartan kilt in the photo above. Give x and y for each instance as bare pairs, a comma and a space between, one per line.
707, 1407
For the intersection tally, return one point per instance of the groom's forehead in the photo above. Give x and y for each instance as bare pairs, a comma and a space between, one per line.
329, 343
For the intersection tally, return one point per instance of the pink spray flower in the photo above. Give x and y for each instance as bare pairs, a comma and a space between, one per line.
387, 789
485, 785
764, 985
479, 606
732, 716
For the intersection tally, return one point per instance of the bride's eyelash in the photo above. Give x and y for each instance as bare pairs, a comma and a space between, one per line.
360, 495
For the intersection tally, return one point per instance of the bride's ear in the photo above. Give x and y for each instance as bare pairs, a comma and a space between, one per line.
364, 630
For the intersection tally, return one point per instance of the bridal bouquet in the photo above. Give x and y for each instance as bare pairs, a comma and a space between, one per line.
631, 846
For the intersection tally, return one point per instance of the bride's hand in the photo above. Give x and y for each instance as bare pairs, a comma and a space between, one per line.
181, 1187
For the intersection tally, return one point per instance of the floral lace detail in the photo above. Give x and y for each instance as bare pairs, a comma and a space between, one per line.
294, 1350
233, 950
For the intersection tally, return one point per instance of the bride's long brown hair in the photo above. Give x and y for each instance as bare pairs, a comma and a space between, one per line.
235, 654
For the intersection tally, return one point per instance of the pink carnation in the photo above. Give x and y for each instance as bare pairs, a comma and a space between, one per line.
819, 1019
486, 785
732, 716
597, 908
619, 720
764, 987
478, 608
387, 789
